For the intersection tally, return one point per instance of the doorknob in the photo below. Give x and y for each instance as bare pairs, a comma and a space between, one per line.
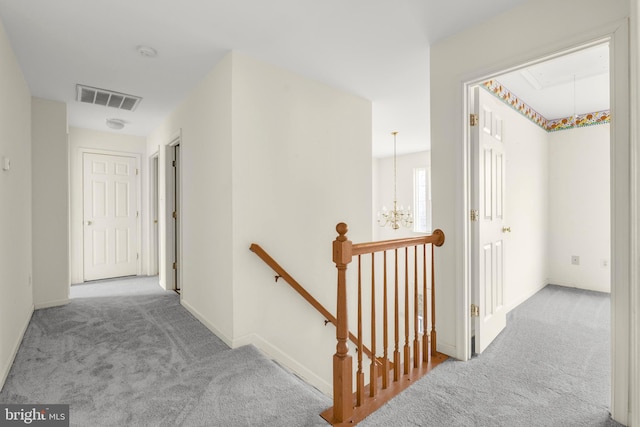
506, 229
89, 222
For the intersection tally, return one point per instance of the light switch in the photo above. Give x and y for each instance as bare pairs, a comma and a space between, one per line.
6, 163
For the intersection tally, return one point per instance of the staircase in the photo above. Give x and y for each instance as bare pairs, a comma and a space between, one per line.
396, 337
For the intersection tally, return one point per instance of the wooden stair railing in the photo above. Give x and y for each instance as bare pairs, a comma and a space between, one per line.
418, 356
282, 273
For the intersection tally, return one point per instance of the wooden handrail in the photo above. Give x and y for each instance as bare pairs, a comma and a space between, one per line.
437, 238
281, 272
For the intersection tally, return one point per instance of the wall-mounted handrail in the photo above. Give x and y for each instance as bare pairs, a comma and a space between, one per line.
281, 272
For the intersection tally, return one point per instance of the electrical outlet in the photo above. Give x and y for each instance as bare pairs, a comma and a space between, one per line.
575, 260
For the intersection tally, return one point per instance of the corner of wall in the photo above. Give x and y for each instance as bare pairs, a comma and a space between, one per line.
16, 244
301, 125
205, 321
4, 370
50, 187
277, 354
49, 304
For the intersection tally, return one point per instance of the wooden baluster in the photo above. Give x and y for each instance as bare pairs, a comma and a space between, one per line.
425, 312
396, 352
385, 332
342, 361
433, 301
416, 333
373, 376
360, 373
407, 349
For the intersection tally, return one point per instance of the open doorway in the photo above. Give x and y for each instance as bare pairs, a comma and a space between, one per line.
176, 217
170, 218
540, 184
458, 63
617, 206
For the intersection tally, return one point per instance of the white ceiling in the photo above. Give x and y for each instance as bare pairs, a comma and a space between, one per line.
377, 49
550, 89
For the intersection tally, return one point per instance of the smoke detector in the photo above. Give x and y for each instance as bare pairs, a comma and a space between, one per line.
115, 123
146, 51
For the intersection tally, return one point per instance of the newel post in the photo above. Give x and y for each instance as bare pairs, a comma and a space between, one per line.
342, 364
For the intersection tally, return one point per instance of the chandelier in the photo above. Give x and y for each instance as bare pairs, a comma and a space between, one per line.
398, 216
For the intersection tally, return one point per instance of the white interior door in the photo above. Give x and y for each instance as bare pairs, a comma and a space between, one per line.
488, 226
110, 216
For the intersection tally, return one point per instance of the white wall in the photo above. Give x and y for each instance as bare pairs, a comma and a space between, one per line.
50, 163
527, 205
301, 164
523, 34
81, 140
634, 418
16, 303
383, 189
579, 209
204, 119
276, 159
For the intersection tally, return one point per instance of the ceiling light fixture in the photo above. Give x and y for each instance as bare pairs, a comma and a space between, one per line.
396, 217
115, 123
147, 51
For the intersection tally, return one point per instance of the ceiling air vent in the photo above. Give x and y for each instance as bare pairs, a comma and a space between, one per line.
108, 98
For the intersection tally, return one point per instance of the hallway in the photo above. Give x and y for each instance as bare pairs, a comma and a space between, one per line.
126, 353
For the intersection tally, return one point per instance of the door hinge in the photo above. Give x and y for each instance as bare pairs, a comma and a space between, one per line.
173, 163
137, 256
175, 265
473, 119
137, 214
475, 310
137, 171
175, 215
474, 215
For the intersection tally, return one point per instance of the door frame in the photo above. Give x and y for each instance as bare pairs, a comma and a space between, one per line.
623, 207
166, 229
154, 212
80, 225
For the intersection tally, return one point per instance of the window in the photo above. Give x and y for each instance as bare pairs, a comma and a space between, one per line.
422, 200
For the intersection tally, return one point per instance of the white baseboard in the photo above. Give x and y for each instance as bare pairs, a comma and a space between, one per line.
575, 286
284, 359
7, 367
52, 304
526, 296
269, 349
227, 340
448, 349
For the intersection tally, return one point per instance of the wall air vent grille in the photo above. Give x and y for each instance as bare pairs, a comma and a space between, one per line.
107, 98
